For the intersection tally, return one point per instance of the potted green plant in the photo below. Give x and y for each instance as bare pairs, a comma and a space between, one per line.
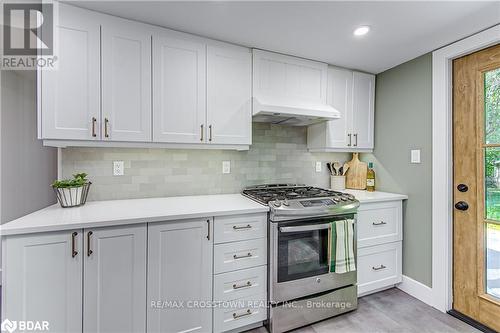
72, 192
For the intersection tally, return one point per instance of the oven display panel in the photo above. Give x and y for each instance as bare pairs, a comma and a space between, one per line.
317, 202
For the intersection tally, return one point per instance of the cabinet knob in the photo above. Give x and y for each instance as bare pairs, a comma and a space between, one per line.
462, 187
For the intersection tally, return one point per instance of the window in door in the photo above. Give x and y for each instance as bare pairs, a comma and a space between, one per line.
492, 180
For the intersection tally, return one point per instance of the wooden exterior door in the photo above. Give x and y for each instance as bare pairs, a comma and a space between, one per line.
476, 224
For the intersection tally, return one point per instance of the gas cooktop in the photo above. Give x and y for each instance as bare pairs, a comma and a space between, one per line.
271, 192
293, 201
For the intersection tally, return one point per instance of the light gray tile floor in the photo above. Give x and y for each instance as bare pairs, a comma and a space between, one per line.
388, 311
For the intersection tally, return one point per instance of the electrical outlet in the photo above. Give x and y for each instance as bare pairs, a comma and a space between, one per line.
118, 168
415, 156
226, 166
318, 166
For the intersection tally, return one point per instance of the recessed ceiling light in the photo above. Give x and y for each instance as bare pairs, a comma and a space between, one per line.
361, 30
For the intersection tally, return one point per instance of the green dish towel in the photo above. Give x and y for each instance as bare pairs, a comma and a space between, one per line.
341, 243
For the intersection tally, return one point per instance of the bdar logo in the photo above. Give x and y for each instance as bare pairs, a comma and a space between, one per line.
9, 326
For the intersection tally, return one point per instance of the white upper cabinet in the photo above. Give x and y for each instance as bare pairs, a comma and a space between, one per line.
69, 96
179, 104
363, 110
180, 269
229, 95
115, 279
42, 279
278, 76
126, 81
352, 93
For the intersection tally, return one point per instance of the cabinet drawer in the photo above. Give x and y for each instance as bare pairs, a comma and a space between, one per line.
239, 255
240, 284
241, 227
379, 223
379, 266
238, 313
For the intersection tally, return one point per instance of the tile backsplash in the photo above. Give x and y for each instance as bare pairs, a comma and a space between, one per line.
278, 154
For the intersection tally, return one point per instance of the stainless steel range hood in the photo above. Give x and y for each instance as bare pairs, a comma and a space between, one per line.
291, 113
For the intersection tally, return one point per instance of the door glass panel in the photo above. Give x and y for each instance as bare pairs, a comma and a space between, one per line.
302, 254
493, 259
492, 183
492, 106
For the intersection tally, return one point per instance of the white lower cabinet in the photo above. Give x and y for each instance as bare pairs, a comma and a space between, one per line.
239, 255
115, 279
378, 267
42, 279
240, 272
236, 314
180, 272
145, 277
380, 237
240, 284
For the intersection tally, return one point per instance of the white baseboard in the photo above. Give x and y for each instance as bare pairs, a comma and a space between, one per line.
416, 289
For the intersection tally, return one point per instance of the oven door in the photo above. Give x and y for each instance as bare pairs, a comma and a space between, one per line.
299, 260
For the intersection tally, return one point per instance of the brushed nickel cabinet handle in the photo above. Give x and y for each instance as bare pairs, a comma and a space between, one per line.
210, 133
379, 268
208, 232
350, 139
106, 122
201, 132
248, 255
248, 226
74, 252
94, 120
356, 142
89, 251
236, 316
379, 223
246, 285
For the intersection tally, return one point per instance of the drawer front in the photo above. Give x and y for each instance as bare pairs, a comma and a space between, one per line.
239, 255
239, 313
379, 223
379, 266
238, 228
240, 284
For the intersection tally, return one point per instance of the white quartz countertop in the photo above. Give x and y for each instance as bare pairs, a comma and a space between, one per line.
377, 196
119, 212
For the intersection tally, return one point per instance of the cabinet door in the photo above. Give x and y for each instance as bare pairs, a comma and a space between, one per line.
340, 97
42, 279
363, 106
229, 95
126, 81
179, 105
115, 279
277, 76
179, 270
70, 94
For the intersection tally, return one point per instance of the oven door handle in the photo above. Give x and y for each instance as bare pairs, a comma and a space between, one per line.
305, 228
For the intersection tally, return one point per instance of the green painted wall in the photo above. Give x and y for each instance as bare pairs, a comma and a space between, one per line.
403, 121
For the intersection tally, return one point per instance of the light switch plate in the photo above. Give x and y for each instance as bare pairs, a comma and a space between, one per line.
118, 168
226, 166
318, 166
415, 156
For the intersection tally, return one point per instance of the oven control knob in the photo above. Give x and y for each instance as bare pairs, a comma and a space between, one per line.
277, 203
318, 280
285, 202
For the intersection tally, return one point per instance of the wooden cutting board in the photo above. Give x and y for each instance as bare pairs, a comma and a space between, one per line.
356, 175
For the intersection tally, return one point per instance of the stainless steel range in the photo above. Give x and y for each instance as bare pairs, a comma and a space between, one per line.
301, 288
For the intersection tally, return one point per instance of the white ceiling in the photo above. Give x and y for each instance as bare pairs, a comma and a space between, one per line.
322, 31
